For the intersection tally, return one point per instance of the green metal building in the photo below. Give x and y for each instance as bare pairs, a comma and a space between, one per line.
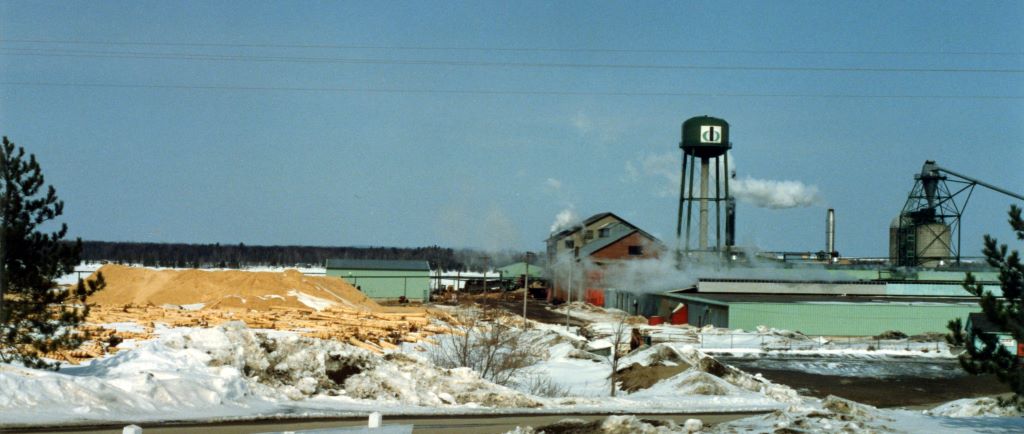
842, 302
826, 315
514, 270
385, 280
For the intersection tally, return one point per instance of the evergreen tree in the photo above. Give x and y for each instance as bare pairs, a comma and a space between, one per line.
36, 316
983, 352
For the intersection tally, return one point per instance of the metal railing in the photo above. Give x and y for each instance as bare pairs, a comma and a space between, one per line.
773, 342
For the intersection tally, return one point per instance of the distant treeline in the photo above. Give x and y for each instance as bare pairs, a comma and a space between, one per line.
241, 255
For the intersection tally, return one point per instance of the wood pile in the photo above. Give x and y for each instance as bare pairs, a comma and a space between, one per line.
373, 331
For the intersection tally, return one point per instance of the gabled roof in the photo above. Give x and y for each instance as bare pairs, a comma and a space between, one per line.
978, 320
375, 264
586, 222
519, 268
616, 232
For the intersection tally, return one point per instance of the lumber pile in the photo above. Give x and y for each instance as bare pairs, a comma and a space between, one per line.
374, 331
314, 306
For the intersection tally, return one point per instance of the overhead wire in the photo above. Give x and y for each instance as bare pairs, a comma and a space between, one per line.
499, 92
510, 49
472, 63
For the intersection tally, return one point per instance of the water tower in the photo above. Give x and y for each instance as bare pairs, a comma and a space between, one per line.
707, 139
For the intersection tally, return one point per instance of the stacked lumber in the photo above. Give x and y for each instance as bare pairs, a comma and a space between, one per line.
375, 331
314, 306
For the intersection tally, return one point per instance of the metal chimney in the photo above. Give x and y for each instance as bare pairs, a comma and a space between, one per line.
830, 235
730, 222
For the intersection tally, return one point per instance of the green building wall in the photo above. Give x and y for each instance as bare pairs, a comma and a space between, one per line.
849, 319
387, 284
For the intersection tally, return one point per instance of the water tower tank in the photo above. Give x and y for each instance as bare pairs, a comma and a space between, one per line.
705, 137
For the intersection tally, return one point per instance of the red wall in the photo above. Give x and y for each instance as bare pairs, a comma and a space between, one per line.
620, 248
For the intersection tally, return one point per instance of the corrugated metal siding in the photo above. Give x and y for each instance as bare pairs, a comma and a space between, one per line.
387, 284
848, 319
646, 304
791, 287
701, 314
956, 275
933, 289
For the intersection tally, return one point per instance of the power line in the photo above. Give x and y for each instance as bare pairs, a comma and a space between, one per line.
432, 62
511, 49
501, 92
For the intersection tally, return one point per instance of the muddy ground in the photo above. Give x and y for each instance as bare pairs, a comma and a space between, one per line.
904, 390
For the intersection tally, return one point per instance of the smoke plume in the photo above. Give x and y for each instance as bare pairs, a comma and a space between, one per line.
774, 194
765, 193
565, 218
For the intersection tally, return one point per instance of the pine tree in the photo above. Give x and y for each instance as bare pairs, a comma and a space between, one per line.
983, 352
36, 316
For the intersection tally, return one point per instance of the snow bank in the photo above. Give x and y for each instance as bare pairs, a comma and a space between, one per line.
971, 407
835, 414
232, 371
700, 363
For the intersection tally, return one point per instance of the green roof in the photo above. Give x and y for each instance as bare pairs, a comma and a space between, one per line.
519, 269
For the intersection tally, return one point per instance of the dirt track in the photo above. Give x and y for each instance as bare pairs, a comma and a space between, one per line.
536, 310
902, 390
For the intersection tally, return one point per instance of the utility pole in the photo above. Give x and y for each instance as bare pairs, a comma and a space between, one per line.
526, 285
485, 258
568, 293
4, 202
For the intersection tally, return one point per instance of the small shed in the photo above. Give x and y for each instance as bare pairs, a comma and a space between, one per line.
385, 280
979, 323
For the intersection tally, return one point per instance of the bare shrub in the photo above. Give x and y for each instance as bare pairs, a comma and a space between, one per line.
541, 385
619, 335
488, 344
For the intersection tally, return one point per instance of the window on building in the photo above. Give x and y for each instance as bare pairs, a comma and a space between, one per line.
588, 235
604, 232
636, 250
569, 244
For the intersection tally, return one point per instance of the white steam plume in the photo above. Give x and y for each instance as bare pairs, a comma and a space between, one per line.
565, 218
774, 194
648, 276
764, 193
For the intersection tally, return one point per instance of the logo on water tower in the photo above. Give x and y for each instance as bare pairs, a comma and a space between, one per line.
710, 134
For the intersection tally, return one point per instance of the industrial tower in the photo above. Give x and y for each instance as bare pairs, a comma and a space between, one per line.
706, 138
927, 231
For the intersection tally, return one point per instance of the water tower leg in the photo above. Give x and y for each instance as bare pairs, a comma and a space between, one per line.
718, 208
682, 202
704, 167
689, 204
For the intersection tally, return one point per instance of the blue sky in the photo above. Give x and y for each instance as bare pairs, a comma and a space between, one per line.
288, 136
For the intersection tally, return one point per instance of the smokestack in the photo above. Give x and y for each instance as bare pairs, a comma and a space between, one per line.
830, 235
730, 222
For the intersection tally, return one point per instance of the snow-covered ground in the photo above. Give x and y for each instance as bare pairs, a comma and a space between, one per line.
233, 372
764, 341
85, 269
230, 372
828, 415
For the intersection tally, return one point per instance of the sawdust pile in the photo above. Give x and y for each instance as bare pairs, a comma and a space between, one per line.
227, 289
